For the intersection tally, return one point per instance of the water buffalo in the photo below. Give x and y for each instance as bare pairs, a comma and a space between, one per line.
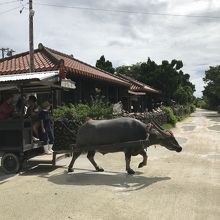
105, 136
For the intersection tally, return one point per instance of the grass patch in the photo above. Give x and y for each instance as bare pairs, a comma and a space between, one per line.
181, 118
168, 126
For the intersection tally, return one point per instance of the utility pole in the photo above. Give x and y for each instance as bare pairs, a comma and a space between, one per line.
9, 52
3, 52
31, 36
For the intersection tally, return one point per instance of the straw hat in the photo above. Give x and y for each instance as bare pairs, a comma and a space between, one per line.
45, 105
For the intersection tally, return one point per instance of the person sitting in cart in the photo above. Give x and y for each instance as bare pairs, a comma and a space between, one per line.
47, 127
6, 108
33, 112
21, 105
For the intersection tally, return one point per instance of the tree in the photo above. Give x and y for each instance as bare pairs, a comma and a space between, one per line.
167, 77
184, 95
200, 103
212, 89
105, 65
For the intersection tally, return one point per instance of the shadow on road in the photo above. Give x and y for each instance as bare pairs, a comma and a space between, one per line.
89, 177
215, 119
189, 128
214, 127
4, 178
121, 180
41, 170
213, 116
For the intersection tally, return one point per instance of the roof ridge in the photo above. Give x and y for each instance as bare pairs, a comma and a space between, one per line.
73, 58
50, 56
58, 52
137, 82
133, 80
17, 55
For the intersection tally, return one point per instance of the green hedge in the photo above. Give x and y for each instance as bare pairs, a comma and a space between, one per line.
101, 110
97, 110
178, 112
68, 119
171, 118
192, 108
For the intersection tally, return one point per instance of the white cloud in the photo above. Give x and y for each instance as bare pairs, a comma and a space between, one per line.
122, 38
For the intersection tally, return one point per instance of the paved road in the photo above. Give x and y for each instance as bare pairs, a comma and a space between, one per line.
172, 186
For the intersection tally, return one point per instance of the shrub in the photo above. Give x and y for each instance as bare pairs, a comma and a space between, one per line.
97, 110
68, 119
171, 118
101, 110
192, 108
63, 112
183, 110
81, 112
187, 110
200, 103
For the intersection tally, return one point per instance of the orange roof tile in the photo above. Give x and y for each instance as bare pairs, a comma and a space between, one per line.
46, 59
137, 86
20, 63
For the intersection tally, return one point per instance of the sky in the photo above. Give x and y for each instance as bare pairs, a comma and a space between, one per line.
149, 28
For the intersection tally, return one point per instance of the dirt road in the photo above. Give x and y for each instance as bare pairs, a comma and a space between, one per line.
172, 186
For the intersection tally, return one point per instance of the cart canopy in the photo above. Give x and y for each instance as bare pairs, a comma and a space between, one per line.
47, 78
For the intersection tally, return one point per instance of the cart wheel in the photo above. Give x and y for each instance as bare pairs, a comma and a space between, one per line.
10, 163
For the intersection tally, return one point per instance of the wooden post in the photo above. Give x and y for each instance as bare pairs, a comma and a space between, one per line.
52, 99
31, 36
62, 73
129, 103
107, 93
117, 95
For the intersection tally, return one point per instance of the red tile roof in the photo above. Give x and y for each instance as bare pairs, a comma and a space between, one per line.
46, 59
20, 63
137, 86
144, 88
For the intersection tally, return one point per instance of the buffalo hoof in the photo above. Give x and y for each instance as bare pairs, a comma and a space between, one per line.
141, 165
130, 172
70, 170
100, 169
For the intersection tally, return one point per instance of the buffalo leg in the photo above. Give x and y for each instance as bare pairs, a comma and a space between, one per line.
90, 156
75, 156
128, 160
144, 162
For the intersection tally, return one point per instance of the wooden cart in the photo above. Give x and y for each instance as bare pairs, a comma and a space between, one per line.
16, 138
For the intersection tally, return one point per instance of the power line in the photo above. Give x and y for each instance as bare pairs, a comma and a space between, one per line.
5, 3
12, 9
128, 12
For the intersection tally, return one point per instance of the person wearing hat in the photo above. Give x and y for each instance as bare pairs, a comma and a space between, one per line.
33, 113
47, 127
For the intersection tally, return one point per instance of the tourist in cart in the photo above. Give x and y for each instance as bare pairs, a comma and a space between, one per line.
47, 127
21, 105
33, 112
6, 108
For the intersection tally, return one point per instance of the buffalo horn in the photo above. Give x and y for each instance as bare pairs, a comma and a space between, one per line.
163, 132
156, 123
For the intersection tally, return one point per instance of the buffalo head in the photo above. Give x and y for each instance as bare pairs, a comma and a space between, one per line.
157, 135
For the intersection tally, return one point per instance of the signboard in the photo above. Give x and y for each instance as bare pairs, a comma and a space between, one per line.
67, 83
